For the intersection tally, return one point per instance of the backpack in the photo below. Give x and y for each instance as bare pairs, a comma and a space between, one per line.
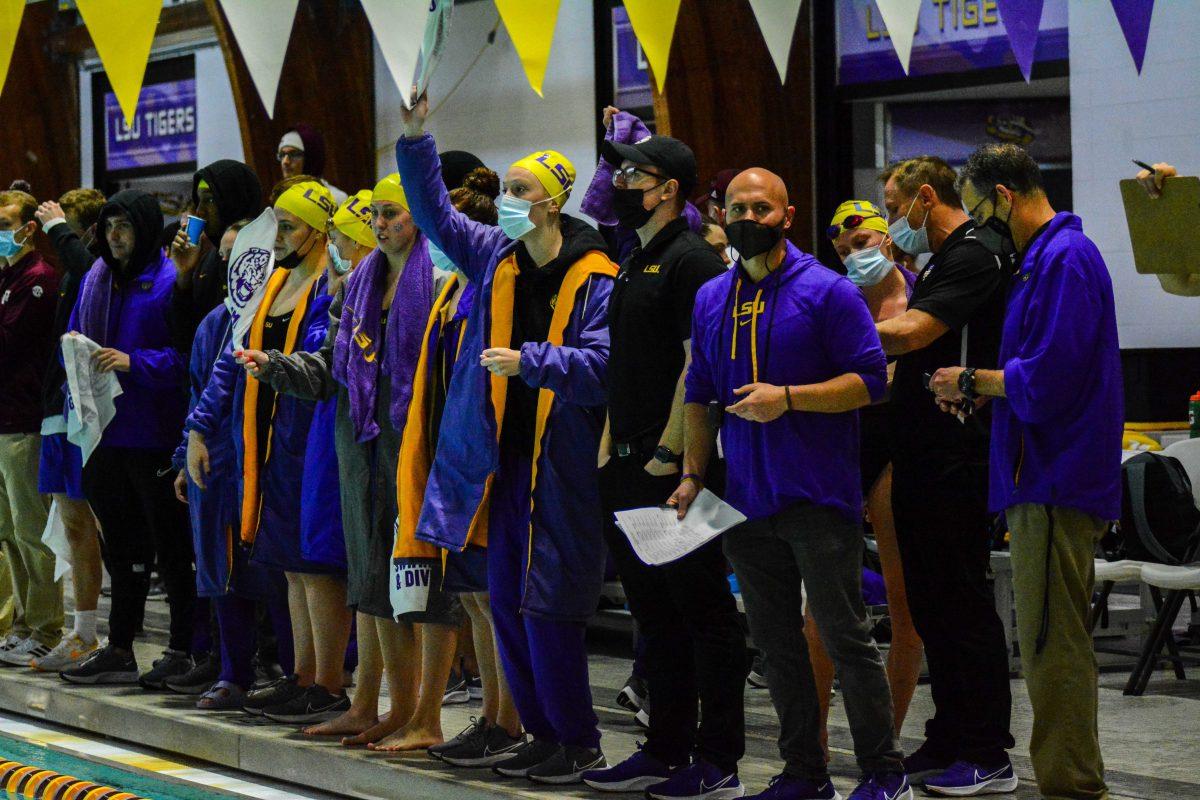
1159, 519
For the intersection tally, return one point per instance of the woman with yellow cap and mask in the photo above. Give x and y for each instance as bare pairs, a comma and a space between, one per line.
859, 233
520, 433
270, 436
368, 359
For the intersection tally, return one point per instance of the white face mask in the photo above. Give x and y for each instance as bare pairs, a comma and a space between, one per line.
914, 242
514, 215
340, 265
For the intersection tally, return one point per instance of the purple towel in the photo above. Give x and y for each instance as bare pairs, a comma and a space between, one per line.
94, 299
355, 365
597, 200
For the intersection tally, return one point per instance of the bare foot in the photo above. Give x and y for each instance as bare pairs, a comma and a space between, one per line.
407, 739
350, 723
374, 733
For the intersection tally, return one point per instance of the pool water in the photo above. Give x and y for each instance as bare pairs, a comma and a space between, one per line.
135, 783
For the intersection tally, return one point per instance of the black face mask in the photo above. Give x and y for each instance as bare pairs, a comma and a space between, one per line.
628, 206
293, 259
751, 239
995, 234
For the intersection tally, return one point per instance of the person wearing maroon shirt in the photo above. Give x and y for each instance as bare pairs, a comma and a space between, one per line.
28, 293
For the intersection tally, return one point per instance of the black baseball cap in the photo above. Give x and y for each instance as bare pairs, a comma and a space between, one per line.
673, 158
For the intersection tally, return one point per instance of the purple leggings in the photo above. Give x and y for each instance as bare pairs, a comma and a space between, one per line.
238, 631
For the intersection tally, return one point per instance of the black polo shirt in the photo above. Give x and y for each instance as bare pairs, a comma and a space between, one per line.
964, 286
649, 319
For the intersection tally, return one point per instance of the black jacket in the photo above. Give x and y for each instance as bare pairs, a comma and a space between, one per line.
238, 195
76, 259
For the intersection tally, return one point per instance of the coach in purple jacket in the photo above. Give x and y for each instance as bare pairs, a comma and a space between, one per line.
788, 349
1056, 450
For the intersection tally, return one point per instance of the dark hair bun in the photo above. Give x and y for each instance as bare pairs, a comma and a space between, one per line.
482, 180
20, 185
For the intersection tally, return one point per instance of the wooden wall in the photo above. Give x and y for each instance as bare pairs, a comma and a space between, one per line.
328, 82
723, 98
39, 107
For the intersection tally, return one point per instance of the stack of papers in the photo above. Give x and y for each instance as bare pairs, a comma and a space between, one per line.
659, 537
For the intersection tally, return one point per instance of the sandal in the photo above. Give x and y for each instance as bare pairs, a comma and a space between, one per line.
223, 696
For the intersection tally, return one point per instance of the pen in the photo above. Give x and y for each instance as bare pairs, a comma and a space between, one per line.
1145, 166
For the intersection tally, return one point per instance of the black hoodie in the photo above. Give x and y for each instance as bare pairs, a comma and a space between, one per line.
536, 295
238, 195
143, 211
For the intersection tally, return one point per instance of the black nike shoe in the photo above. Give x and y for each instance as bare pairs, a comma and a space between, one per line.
316, 704
567, 765
526, 757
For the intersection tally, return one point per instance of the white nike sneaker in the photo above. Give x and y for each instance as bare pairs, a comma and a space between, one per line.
69, 652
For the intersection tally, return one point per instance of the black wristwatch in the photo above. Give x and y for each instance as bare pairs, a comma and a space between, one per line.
966, 383
665, 455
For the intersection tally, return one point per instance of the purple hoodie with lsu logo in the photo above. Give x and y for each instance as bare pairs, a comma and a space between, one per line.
802, 324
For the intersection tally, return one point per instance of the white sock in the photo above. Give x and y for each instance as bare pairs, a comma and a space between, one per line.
85, 625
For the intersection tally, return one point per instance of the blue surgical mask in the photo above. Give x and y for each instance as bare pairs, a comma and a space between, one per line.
8, 244
340, 265
441, 260
913, 242
867, 267
514, 216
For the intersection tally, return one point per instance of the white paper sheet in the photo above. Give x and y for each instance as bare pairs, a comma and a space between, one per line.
659, 538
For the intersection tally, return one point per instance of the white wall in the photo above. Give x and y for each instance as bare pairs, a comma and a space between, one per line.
1117, 115
494, 113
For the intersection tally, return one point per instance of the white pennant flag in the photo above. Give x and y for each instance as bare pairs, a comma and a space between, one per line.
777, 21
262, 29
409, 32
900, 18
250, 264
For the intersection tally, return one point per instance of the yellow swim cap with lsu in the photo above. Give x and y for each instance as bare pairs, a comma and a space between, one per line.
310, 201
872, 218
389, 190
553, 170
353, 218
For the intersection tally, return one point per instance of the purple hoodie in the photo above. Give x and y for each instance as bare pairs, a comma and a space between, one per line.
1056, 438
802, 324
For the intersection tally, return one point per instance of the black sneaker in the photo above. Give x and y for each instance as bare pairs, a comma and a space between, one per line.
472, 735
633, 695
199, 679
266, 672
526, 757
173, 664
315, 704
487, 748
758, 674
457, 692
567, 765
277, 691
107, 665
475, 687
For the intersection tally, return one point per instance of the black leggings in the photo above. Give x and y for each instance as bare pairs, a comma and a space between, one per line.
141, 524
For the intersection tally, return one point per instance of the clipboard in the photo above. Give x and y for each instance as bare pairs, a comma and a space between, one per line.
1162, 229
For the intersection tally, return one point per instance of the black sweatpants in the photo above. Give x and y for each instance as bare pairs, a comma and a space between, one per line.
943, 530
142, 524
694, 648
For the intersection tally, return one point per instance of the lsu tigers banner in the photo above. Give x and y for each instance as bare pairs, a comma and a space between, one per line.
250, 264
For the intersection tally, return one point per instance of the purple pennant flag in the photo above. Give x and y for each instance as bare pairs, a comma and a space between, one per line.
1022, 18
1134, 16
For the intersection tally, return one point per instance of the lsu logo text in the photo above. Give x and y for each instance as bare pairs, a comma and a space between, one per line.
747, 310
653, 269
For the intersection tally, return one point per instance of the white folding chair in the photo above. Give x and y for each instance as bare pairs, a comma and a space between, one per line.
1188, 453
1178, 581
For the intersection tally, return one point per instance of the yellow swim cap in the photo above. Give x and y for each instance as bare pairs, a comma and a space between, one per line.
553, 170
872, 218
389, 190
353, 218
310, 201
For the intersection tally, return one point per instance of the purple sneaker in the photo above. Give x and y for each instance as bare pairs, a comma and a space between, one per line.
698, 781
965, 779
883, 786
638, 772
788, 787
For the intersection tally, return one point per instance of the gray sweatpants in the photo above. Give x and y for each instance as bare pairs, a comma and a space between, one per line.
771, 557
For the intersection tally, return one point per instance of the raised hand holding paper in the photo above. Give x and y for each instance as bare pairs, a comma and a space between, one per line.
659, 537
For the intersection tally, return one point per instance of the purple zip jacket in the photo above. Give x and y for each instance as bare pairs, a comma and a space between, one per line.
1056, 438
801, 324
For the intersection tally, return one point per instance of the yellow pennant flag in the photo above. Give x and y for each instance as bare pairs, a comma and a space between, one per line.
11, 12
653, 23
123, 32
530, 23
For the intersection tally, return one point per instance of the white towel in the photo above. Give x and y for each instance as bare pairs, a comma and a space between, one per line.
90, 394
55, 538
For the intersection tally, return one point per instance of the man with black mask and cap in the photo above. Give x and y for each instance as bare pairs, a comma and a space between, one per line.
685, 611
223, 192
124, 306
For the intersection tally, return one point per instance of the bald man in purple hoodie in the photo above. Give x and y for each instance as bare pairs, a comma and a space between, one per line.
1058, 411
789, 350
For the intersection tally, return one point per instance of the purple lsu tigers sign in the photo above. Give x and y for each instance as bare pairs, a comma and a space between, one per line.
163, 131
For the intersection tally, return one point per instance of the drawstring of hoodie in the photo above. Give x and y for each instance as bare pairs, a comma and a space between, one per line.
1044, 630
754, 314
